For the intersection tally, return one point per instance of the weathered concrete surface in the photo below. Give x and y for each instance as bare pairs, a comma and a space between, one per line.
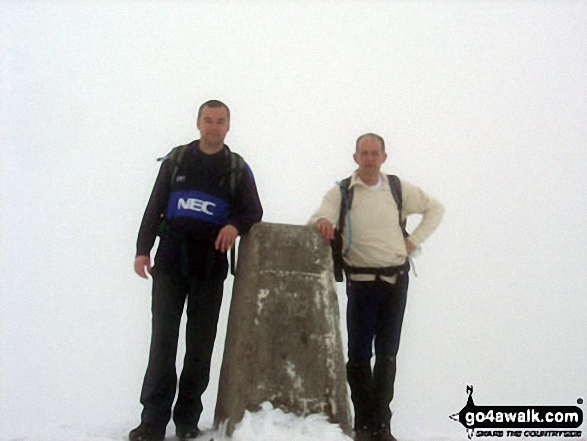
283, 341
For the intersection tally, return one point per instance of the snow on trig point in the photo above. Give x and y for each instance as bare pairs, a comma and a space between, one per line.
283, 341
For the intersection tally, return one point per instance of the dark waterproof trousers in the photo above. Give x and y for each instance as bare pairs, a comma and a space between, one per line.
375, 312
204, 298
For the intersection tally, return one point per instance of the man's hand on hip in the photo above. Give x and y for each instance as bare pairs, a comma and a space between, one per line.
410, 247
226, 238
143, 266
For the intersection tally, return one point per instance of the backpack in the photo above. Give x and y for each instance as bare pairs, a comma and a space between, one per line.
237, 164
346, 202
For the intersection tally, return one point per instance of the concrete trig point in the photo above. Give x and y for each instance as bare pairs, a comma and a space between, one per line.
283, 341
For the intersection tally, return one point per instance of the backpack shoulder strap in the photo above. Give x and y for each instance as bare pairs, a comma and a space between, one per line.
175, 156
237, 163
346, 201
395, 185
336, 244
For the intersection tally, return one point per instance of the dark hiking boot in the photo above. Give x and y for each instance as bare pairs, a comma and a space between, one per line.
187, 432
147, 432
383, 379
363, 435
360, 380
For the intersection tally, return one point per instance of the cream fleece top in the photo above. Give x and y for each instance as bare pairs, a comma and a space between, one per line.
377, 239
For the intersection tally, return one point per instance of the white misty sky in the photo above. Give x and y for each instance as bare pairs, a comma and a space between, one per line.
483, 104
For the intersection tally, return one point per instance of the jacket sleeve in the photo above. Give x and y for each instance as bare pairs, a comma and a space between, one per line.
329, 208
415, 201
247, 209
155, 211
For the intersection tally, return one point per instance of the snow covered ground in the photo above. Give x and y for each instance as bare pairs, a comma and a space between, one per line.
268, 424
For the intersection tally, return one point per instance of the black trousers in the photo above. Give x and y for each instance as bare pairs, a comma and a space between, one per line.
204, 298
375, 312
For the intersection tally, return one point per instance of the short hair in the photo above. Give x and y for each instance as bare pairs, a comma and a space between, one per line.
213, 103
371, 135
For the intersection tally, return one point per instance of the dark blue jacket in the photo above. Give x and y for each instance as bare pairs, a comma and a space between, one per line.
194, 208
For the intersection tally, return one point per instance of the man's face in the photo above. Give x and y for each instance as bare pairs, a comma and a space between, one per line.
369, 156
213, 125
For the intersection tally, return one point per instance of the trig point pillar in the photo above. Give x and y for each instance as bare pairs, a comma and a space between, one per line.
283, 341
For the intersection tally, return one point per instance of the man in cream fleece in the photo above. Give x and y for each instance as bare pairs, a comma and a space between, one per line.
373, 243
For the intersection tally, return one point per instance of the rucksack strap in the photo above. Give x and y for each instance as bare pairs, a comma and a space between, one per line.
346, 200
387, 271
395, 185
337, 260
347, 195
175, 156
237, 164
233, 260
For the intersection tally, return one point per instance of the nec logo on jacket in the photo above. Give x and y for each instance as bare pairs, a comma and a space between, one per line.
197, 205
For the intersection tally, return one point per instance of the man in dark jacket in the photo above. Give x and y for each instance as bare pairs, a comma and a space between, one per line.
203, 199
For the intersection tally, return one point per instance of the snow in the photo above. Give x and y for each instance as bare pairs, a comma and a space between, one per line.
268, 424
273, 424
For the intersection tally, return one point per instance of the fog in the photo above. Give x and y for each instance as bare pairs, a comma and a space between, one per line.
482, 104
